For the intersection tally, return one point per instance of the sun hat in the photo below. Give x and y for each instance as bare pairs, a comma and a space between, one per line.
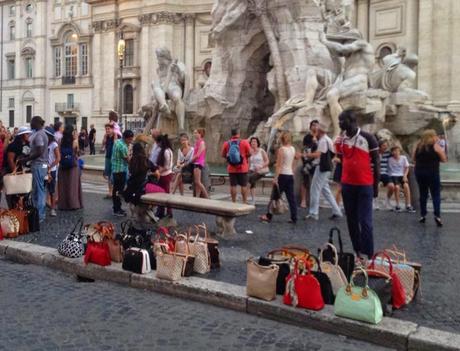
24, 130
49, 131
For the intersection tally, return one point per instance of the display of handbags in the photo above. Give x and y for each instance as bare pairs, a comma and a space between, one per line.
346, 260
72, 246
333, 270
358, 303
302, 288
261, 280
136, 260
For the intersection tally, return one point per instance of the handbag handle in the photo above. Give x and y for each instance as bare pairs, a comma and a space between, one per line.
339, 236
351, 284
125, 226
396, 254
205, 229
79, 222
334, 250
305, 264
182, 237
316, 260
384, 255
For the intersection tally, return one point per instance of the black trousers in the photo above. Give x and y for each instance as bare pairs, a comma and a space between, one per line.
92, 148
119, 182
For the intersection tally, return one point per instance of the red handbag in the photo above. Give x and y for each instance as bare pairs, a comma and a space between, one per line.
97, 253
398, 295
303, 290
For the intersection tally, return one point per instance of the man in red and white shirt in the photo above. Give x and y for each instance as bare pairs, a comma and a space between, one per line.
358, 151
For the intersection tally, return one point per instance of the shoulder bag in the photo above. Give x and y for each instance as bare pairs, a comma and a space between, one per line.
399, 256
183, 249
358, 303
261, 280
97, 253
72, 246
115, 249
213, 246
17, 183
346, 260
169, 266
199, 249
333, 271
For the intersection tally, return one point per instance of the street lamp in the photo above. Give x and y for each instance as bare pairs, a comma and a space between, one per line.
121, 55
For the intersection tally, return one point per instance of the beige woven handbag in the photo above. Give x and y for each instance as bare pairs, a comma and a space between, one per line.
199, 249
17, 183
261, 280
169, 266
333, 271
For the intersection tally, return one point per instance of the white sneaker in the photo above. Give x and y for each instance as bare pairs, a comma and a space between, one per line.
53, 213
376, 204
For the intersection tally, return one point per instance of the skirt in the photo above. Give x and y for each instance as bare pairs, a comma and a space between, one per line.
69, 187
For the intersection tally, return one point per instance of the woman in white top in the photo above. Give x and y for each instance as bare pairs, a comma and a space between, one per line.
283, 182
165, 166
184, 163
258, 164
54, 156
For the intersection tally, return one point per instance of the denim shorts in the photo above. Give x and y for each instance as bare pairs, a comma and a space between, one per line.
51, 185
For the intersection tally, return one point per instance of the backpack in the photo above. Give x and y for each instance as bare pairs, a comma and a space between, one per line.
67, 159
234, 155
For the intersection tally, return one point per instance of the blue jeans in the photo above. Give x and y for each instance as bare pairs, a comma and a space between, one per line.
357, 200
429, 180
39, 190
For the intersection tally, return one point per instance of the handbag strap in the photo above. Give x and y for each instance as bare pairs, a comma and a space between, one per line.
182, 237
316, 260
339, 236
334, 250
125, 226
384, 256
351, 284
74, 230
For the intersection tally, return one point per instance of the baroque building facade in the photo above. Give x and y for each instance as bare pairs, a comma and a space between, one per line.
59, 57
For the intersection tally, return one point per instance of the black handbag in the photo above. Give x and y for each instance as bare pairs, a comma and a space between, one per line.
382, 284
283, 263
32, 216
346, 260
324, 282
133, 261
139, 238
325, 161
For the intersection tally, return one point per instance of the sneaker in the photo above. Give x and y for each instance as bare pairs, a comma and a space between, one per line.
119, 213
397, 209
312, 216
376, 204
334, 216
410, 209
422, 219
388, 205
53, 213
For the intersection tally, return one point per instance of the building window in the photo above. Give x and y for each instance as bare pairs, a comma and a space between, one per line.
84, 9
11, 68
29, 29
57, 62
70, 54
29, 68
128, 99
11, 118
129, 53
28, 113
29, 8
70, 101
84, 122
11, 103
12, 31
83, 59
12, 11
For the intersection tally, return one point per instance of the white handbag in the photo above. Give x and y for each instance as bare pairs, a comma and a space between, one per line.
333, 271
17, 183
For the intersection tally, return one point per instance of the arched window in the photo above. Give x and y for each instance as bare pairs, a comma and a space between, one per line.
70, 56
12, 26
29, 28
128, 100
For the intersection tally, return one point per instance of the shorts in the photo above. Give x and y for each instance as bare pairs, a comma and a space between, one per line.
397, 180
240, 179
337, 177
51, 185
200, 167
108, 168
385, 179
253, 177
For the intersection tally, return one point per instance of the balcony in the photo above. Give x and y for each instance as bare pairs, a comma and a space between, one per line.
63, 107
68, 80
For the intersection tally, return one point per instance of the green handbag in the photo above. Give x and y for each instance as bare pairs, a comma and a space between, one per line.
358, 303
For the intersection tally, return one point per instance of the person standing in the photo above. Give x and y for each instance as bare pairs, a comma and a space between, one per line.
427, 156
92, 140
54, 157
69, 175
58, 130
283, 182
38, 158
236, 151
358, 151
165, 166
107, 147
198, 162
385, 155
184, 159
258, 165
320, 181
310, 144
120, 170
155, 150
398, 168
82, 140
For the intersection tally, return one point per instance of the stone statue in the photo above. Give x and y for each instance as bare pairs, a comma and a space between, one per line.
337, 14
171, 84
359, 61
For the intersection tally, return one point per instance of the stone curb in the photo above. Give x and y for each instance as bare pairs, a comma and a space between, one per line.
393, 333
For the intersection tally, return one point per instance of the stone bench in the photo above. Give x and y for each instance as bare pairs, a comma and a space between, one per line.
225, 211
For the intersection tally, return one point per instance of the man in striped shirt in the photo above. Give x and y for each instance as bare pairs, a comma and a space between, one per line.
385, 154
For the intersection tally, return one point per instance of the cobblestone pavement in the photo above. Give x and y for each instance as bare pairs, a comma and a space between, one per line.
47, 310
438, 249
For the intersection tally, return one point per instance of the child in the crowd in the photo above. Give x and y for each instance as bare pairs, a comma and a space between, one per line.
54, 156
113, 120
398, 169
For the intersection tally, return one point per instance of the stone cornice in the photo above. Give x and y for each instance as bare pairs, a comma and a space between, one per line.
160, 18
105, 26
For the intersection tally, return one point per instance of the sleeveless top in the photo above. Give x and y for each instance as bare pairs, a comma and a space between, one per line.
427, 159
256, 160
202, 157
185, 158
288, 158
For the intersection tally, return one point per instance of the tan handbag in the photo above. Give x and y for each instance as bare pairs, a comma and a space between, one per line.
10, 224
199, 249
115, 249
170, 266
183, 249
17, 183
333, 271
261, 280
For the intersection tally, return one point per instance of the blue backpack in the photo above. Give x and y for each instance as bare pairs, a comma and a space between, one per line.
234, 155
67, 159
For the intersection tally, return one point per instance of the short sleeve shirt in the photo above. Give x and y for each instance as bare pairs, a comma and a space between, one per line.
39, 139
396, 167
245, 150
356, 157
384, 162
119, 155
324, 144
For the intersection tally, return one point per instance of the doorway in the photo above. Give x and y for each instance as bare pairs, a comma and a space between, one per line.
71, 121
